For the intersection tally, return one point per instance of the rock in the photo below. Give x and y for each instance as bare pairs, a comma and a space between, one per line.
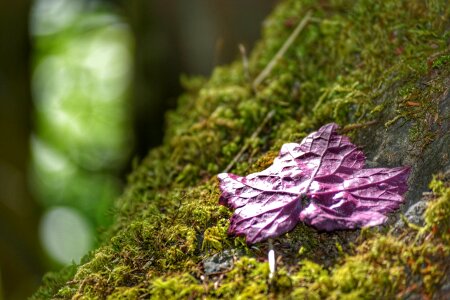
444, 292
413, 215
394, 145
221, 262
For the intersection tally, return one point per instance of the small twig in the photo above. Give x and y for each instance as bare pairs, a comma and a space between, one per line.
264, 73
244, 61
315, 20
254, 135
357, 125
272, 260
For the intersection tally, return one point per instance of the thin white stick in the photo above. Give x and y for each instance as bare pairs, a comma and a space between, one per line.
272, 260
282, 50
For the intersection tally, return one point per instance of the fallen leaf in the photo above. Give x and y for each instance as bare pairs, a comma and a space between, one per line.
320, 182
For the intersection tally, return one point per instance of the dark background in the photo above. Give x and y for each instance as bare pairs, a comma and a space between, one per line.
171, 37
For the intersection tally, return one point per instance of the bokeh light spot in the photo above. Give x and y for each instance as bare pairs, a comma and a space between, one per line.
65, 234
49, 16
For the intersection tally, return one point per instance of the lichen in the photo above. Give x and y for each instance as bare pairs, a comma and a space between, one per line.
341, 68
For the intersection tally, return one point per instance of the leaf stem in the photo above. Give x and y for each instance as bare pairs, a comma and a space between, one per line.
272, 260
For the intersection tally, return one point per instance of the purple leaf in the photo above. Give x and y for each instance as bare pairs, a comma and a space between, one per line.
320, 182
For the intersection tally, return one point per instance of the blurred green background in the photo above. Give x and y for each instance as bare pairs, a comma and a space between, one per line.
84, 86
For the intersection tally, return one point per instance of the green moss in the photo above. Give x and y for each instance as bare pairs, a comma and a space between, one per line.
216, 238
441, 61
179, 287
339, 69
54, 282
437, 216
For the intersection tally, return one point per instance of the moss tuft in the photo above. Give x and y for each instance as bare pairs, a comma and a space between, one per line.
54, 282
437, 216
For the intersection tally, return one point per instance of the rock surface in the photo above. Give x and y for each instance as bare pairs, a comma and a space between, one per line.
221, 262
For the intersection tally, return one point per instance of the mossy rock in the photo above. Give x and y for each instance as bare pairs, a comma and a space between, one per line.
380, 69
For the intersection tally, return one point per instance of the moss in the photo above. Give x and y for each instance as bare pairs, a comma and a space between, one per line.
179, 287
215, 237
341, 68
437, 216
54, 282
441, 61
